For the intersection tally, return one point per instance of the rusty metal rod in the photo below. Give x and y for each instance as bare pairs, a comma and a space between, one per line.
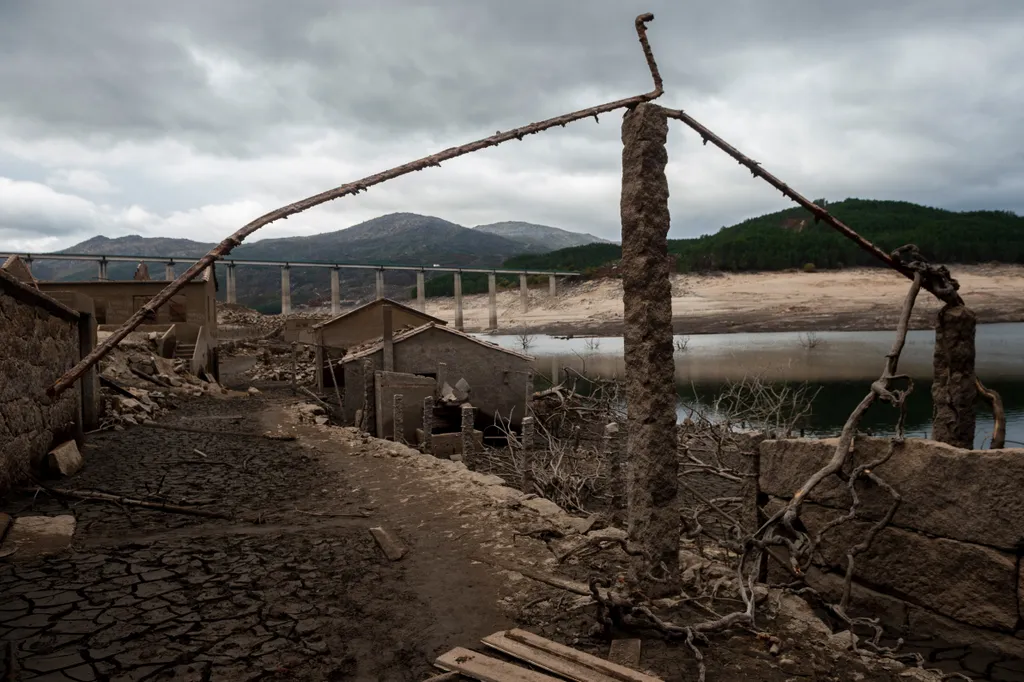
819, 213
225, 247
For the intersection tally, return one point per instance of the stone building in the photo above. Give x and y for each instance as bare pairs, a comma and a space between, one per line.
354, 328
40, 339
495, 380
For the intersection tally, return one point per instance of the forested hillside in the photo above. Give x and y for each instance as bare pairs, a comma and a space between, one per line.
791, 239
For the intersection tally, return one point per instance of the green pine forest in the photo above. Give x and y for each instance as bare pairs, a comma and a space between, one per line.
790, 239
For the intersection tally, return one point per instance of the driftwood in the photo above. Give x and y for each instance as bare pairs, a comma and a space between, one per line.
216, 432
225, 247
123, 501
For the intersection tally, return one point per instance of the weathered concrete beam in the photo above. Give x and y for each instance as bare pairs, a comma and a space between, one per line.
458, 300
524, 293
232, 295
492, 301
421, 292
552, 286
169, 272
380, 284
954, 390
286, 290
335, 292
653, 504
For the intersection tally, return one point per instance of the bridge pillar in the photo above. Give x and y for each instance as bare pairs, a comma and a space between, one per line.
103, 277
421, 292
286, 290
458, 301
492, 301
380, 283
335, 292
524, 293
169, 271
552, 285
232, 287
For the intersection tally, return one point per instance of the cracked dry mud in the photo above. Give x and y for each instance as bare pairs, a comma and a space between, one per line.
150, 595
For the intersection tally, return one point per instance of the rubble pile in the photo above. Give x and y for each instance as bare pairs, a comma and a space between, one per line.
145, 384
274, 363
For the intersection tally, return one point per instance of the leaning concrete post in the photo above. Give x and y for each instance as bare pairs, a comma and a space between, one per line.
468, 446
458, 301
524, 293
398, 417
652, 492
421, 292
427, 446
528, 455
232, 296
954, 391
286, 290
335, 292
492, 301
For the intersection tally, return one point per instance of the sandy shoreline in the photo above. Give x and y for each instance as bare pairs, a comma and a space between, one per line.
854, 300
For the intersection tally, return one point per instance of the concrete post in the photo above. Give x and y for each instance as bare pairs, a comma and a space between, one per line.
954, 388
653, 488
398, 417
529, 394
286, 290
232, 287
169, 271
492, 301
552, 286
468, 446
103, 270
389, 343
335, 292
369, 421
380, 284
428, 425
458, 301
421, 292
524, 293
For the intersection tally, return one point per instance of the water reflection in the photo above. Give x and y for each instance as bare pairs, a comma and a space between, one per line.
842, 364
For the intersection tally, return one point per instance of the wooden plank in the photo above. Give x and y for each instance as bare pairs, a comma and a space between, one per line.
486, 669
625, 652
562, 660
393, 549
446, 677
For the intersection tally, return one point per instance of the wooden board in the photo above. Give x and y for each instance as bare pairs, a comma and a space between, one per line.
562, 660
625, 652
486, 669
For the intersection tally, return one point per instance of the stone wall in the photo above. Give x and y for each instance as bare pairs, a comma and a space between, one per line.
39, 341
950, 562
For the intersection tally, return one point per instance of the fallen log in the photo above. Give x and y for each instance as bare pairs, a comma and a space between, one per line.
217, 432
123, 501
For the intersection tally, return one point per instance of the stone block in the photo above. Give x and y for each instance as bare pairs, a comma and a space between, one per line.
968, 495
449, 445
963, 581
35, 536
543, 507
64, 460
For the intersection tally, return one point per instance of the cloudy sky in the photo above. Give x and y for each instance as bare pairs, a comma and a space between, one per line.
191, 118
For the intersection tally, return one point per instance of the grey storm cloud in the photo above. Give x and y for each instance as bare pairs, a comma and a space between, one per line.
867, 89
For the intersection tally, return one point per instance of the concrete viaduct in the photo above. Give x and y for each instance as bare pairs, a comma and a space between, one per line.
169, 262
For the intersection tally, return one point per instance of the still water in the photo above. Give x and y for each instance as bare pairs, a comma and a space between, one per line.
839, 365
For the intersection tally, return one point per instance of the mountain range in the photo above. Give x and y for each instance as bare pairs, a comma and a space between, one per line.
393, 239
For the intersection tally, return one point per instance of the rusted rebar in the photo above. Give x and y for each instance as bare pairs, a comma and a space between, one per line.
225, 247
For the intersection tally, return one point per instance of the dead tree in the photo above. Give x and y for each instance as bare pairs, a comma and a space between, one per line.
653, 505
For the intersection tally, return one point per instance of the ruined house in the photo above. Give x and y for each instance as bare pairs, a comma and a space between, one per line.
493, 379
40, 339
187, 323
357, 327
